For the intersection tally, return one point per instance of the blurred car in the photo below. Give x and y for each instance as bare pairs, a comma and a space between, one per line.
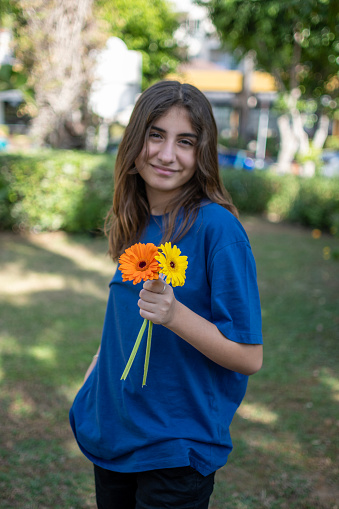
238, 159
330, 160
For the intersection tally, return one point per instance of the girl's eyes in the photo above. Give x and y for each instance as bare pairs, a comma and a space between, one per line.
155, 135
184, 141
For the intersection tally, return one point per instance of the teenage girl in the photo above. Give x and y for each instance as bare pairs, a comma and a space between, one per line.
159, 446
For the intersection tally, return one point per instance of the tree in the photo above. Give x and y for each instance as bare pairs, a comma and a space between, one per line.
147, 27
11, 76
54, 39
297, 42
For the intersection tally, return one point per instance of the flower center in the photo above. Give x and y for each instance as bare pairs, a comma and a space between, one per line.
142, 265
172, 264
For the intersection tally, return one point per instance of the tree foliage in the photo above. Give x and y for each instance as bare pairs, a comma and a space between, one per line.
12, 76
147, 27
297, 42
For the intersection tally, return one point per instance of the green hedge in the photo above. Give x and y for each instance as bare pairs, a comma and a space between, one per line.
71, 190
54, 190
311, 202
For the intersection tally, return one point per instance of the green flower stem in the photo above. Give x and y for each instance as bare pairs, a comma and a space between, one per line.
134, 351
148, 351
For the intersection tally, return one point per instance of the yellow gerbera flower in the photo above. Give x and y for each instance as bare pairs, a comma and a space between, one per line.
172, 265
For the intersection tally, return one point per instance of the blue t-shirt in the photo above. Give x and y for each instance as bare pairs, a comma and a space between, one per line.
182, 416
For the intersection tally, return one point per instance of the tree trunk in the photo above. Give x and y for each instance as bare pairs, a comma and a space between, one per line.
322, 132
288, 145
61, 70
318, 142
103, 136
308, 166
294, 139
245, 94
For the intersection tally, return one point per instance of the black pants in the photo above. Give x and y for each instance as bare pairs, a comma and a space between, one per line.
167, 488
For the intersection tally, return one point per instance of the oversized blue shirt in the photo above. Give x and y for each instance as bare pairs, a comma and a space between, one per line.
182, 416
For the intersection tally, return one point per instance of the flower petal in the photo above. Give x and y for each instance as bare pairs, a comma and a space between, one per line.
172, 265
138, 263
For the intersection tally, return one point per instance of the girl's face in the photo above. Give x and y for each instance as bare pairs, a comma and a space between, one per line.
168, 158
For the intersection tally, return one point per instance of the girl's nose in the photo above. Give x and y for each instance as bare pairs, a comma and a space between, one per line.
166, 153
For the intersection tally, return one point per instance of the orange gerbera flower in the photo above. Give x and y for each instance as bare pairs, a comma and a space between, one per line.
138, 263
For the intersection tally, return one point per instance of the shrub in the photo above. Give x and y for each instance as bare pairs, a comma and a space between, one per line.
317, 203
250, 191
53, 190
312, 202
332, 143
285, 193
71, 190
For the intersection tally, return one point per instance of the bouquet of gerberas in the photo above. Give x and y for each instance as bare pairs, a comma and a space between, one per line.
143, 262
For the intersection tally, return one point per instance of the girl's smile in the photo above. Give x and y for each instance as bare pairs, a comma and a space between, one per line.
168, 158
162, 170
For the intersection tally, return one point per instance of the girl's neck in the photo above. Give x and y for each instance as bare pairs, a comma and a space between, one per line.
158, 211
159, 203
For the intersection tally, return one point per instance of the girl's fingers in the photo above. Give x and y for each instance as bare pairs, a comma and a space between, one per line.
157, 286
148, 296
147, 306
153, 293
156, 301
151, 311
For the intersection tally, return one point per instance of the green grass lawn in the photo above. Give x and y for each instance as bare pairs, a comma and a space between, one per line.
53, 291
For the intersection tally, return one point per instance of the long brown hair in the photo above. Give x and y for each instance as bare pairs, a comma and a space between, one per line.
130, 212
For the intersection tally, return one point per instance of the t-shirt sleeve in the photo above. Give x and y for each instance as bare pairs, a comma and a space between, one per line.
235, 302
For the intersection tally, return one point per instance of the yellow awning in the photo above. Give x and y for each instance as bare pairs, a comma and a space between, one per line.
262, 82
215, 80
211, 80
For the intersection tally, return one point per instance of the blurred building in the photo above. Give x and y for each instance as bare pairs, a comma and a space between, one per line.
117, 80
117, 83
9, 99
6, 56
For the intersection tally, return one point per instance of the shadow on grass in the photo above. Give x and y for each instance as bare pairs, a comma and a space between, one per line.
54, 290
286, 432
48, 338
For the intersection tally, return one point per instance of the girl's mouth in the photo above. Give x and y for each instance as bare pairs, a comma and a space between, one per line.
161, 170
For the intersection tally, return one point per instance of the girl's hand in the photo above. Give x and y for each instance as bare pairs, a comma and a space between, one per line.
157, 302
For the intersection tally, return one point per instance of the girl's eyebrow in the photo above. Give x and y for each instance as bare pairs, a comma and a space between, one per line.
190, 135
